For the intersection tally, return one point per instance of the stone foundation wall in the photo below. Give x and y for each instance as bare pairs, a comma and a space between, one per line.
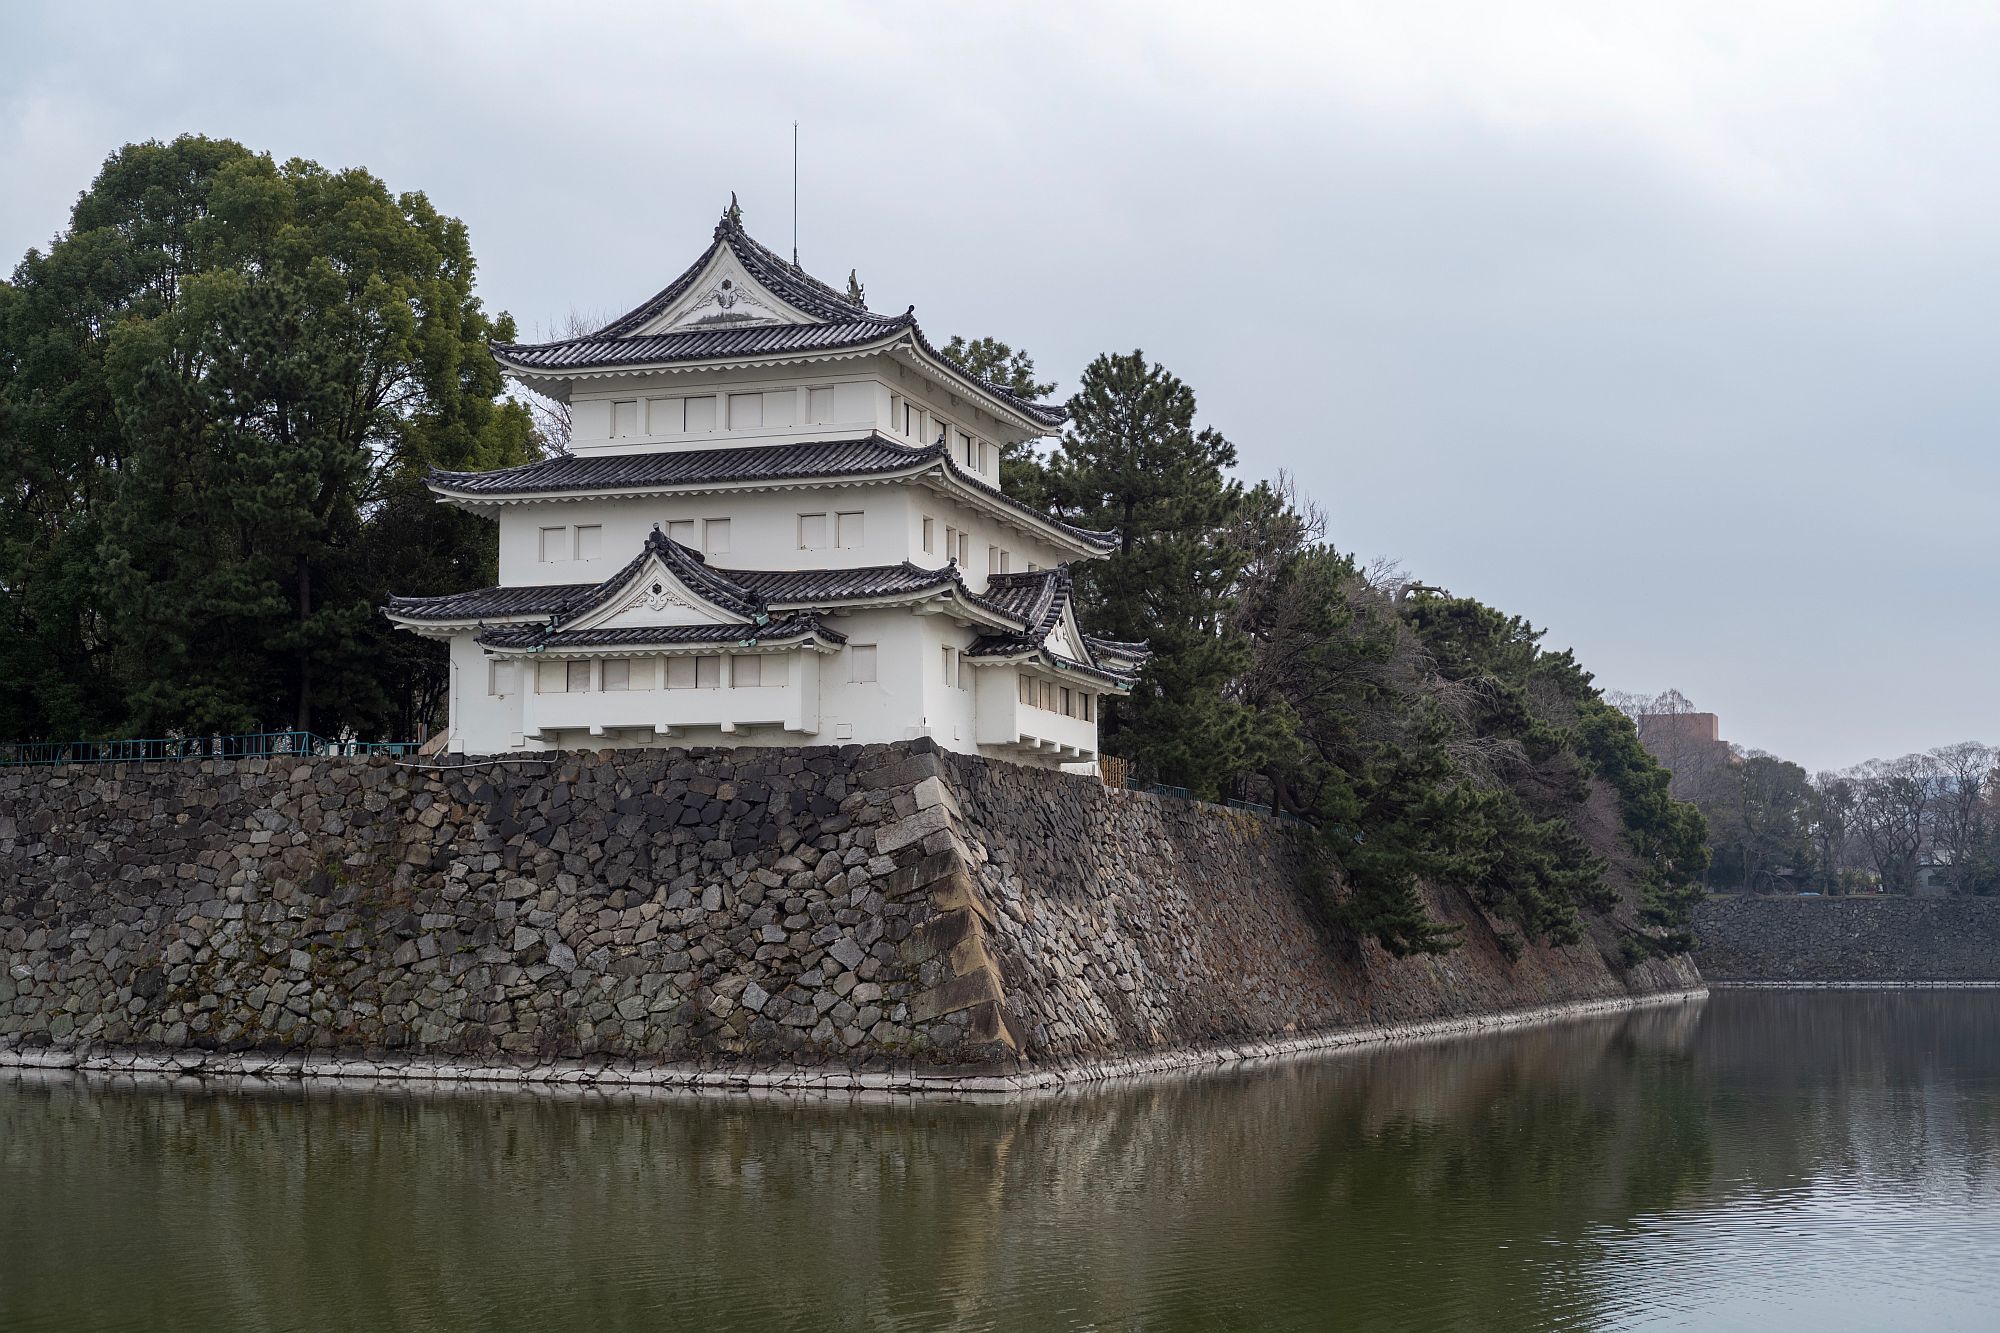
1869, 938
867, 908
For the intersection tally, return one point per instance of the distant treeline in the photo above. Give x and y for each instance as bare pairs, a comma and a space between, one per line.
1923, 823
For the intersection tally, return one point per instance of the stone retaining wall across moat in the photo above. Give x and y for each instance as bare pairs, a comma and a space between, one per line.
1871, 938
877, 909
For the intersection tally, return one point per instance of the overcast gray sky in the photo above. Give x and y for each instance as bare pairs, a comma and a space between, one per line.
1670, 327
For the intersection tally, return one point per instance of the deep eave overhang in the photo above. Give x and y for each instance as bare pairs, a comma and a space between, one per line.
925, 464
906, 341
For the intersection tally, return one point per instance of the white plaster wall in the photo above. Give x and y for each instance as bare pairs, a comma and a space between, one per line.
763, 532
867, 393
481, 723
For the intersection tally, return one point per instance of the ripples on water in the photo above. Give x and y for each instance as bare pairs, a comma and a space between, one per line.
1819, 1160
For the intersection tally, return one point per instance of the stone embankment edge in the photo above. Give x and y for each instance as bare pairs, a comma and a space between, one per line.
626, 1076
1859, 984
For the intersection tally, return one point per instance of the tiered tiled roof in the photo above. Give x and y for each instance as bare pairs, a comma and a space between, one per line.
836, 323
789, 629
692, 470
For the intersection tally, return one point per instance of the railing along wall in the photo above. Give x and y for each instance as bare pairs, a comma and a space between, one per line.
247, 745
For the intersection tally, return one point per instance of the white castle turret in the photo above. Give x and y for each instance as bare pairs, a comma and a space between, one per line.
780, 523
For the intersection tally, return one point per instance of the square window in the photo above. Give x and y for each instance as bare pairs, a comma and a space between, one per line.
701, 413
746, 672
680, 673
641, 673
715, 536
555, 545
617, 674
708, 673
589, 541
499, 677
551, 677
819, 406
579, 676
928, 534
812, 532
847, 531
746, 411
624, 419
682, 531
861, 663
666, 416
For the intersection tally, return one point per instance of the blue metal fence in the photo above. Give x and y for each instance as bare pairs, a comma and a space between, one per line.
249, 745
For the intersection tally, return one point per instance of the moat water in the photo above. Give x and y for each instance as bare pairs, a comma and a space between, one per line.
1806, 1160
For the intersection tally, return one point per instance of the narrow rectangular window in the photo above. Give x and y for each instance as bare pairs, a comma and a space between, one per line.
1068, 703
746, 411
950, 667
589, 541
579, 676
617, 674
746, 672
819, 402
992, 560
701, 413
499, 677
1006, 562
967, 450
964, 548
847, 531
715, 536
555, 545
680, 673
682, 531
1025, 689
928, 535
551, 677
624, 419
1086, 706
666, 416
861, 663
812, 532
950, 542
708, 673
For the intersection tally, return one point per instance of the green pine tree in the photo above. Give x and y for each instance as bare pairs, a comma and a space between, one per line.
1132, 461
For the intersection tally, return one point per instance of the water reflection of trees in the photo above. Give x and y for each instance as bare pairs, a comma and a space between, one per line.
1443, 1185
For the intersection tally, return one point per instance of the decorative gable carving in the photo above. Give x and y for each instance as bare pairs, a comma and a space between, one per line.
724, 297
655, 597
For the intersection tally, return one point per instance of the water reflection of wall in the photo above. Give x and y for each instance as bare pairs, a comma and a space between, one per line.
1453, 1184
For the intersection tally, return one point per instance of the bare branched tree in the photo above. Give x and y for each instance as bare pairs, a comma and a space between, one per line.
1892, 815
551, 415
1960, 822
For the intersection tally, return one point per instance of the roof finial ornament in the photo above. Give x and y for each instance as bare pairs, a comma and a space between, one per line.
855, 291
733, 215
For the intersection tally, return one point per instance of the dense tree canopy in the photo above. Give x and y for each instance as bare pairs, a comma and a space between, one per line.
220, 389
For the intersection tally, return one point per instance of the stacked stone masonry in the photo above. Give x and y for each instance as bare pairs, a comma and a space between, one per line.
877, 908
1859, 939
